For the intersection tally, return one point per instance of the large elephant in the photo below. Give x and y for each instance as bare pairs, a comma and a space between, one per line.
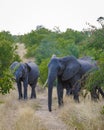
27, 73
68, 71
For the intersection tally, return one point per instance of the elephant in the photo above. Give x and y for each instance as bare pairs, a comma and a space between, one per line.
69, 71
96, 89
27, 73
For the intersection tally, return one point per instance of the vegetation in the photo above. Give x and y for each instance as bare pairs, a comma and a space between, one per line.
7, 55
84, 116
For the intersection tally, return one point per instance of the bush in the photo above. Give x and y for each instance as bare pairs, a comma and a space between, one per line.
43, 71
7, 56
6, 82
95, 78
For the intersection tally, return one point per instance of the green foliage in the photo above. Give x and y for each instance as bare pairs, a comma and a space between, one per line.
43, 70
7, 56
94, 45
102, 111
97, 39
6, 82
35, 37
95, 78
53, 43
6, 53
6, 36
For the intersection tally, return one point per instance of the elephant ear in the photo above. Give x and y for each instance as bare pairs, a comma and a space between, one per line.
28, 67
71, 68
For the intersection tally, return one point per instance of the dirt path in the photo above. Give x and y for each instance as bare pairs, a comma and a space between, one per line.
22, 51
51, 120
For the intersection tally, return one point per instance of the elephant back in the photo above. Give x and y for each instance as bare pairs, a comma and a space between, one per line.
86, 66
34, 71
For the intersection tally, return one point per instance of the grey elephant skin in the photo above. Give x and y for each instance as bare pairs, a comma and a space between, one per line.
27, 73
68, 71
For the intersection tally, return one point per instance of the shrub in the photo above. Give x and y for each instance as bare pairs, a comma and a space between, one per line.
7, 56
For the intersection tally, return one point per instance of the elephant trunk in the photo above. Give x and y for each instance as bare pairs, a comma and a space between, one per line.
50, 88
51, 79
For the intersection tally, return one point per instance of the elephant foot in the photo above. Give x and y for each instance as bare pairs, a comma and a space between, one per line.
32, 97
50, 109
76, 98
25, 98
94, 97
20, 98
61, 104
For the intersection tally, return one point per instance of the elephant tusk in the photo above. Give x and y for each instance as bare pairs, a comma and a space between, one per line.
45, 83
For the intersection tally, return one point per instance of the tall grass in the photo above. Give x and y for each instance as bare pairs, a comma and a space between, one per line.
28, 120
83, 116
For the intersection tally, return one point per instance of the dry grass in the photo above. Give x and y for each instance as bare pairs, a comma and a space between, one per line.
83, 116
19, 115
28, 121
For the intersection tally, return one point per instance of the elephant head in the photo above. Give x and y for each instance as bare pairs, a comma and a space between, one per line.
65, 68
19, 70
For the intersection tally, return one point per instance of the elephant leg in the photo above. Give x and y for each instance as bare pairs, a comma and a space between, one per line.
33, 92
94, 95
19, 90
76, 92
25, 84
76, 87
68, 90
101, 91
60, 92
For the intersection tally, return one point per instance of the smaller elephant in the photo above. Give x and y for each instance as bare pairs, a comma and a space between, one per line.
27, 73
